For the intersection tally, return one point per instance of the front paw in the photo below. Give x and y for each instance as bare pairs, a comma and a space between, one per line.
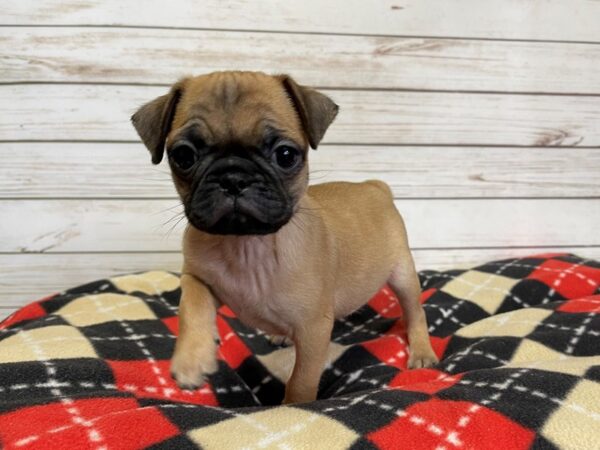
191, 364
421, 357
279, 340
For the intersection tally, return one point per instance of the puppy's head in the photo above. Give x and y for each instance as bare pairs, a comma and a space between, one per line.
237, 145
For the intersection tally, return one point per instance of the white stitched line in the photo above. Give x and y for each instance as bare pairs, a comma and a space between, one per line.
160, 292
562, 273
228, 336
25, 441
394, 359
57, 316
458, 322
581, 276
93, 420
459, 279
465, 352
159, 298
264, 381
94, 436
108, 310
146, 352
338, 372
463, 421
556, 327
355, 328
475, 288
390, 305
14, 330
525, 390
251, 335
273, 437
354, 377
269, 435
135, 337
467, 418
230, 390
579, 331
144, 349
503, 387
433, 428
110, 338
461, 355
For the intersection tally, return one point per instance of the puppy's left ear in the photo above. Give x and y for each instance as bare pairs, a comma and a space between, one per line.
316, 110
153, 121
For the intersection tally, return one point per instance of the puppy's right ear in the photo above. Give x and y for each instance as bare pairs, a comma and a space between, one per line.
153, 121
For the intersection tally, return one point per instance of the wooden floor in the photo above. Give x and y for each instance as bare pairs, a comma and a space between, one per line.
483, 116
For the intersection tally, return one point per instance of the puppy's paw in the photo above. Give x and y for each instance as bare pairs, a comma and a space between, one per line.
422, 357
189, 367
280, 341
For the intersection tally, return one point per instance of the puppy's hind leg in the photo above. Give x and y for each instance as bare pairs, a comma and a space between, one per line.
405, 284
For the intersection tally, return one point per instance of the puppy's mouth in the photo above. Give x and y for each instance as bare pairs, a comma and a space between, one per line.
236, 197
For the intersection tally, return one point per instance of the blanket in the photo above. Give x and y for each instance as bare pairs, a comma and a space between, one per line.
518, 341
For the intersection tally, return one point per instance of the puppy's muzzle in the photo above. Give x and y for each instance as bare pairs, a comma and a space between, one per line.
235, 183
234, 196
233, 175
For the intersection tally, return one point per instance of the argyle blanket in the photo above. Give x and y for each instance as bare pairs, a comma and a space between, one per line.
519, 342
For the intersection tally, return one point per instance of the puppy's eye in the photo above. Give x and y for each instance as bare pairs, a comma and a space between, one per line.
183, 156
286, 157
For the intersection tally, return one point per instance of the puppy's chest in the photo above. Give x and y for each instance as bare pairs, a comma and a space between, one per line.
243, 276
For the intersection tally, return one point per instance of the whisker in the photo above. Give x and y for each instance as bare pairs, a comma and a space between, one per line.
178, 215
309, 210
156, 169
169, 208
174, 226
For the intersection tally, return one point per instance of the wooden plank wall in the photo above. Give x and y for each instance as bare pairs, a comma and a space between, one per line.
483, 116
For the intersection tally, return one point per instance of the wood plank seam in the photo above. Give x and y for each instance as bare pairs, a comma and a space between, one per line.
307, 33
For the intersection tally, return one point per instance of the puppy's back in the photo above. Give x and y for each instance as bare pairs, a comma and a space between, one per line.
360, 209
370, 238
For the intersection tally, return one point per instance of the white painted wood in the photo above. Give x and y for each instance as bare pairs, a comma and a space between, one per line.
143, 225
25, 278
448, 259
28, 277
82, 112
81, 169
573, 20
76, 170
158, 56
425, 144
6, 312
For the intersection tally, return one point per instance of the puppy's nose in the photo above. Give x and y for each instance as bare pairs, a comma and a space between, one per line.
234, 183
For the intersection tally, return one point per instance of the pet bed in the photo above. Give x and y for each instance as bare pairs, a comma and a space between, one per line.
519, 342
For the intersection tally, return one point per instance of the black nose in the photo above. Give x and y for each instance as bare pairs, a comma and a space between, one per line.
234, 183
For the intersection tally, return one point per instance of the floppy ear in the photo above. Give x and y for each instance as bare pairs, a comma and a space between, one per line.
153, 121
316, 110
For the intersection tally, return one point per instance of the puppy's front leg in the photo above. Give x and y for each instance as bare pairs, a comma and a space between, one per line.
404, 281
311, 342
195, 349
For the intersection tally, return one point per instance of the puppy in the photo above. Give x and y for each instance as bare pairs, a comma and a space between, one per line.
286, 258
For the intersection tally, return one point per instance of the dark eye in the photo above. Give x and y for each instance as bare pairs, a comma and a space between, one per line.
183, 156
286, 157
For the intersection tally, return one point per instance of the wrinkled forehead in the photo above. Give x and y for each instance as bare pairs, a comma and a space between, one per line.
235, 107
